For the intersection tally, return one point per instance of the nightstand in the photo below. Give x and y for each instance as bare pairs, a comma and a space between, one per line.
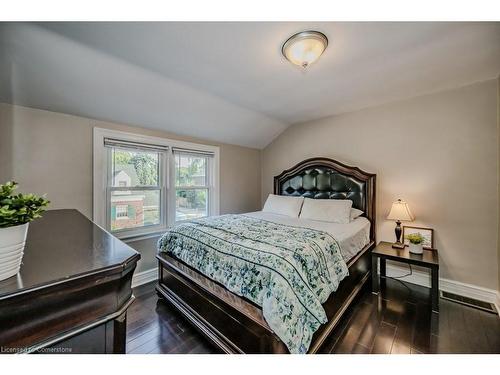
429, 259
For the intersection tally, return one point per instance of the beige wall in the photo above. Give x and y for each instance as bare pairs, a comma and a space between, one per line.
48, 152
439, 152
5, 145
498, 138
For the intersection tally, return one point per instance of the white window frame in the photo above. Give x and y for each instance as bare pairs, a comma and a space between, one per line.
100, 170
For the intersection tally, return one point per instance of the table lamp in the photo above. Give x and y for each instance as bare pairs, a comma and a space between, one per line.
399, 212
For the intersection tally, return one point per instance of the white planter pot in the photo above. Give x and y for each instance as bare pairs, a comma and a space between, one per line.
416, 249
12, 242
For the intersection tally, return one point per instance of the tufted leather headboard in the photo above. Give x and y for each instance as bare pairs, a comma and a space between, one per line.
323, 178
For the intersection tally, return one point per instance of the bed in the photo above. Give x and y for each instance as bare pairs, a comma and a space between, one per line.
235, 322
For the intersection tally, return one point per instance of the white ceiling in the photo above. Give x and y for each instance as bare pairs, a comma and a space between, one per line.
228, 81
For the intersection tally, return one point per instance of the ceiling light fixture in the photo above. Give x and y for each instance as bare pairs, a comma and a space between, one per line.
304, 48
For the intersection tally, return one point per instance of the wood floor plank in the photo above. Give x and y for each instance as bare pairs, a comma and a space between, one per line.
478, 342
400, 348
458, 335
203, 347
422, 332
140, 290
360, 349
148, 347
491, 328
330, 342
441, 340
139, 331
134, 333
391, 311
371, 327
404, 331
143, 338
384, 339
347, 342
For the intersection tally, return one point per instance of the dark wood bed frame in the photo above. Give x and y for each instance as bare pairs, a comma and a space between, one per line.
236, 325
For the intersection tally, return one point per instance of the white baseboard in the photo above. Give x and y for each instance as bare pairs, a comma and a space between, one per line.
144, 277
462, 289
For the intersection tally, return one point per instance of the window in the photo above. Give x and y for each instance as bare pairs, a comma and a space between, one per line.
121, 212
144, 184
192, 185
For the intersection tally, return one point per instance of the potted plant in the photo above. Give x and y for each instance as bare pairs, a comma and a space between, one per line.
16, 211
416, 243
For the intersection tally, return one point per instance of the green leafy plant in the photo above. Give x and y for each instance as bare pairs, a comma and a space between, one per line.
17, 209
415, 238
145, 167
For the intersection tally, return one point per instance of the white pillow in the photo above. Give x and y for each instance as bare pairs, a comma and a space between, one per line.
355, 213
283, 205
331, 210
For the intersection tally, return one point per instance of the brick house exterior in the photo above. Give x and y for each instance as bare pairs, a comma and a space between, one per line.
127, 208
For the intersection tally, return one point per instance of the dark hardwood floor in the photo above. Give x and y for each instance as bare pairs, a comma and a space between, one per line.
397, 321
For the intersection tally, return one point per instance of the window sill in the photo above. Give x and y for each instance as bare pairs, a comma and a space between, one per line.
139, 237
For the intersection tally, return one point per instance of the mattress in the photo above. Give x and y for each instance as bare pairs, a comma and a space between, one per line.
351, 237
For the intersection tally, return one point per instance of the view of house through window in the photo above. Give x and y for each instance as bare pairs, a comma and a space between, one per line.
135, 189
191, 186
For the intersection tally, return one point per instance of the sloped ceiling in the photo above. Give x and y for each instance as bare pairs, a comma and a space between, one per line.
228, 81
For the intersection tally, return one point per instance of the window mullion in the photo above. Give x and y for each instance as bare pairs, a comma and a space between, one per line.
210, 184
109, 172
133, 188
171, 190
191, 187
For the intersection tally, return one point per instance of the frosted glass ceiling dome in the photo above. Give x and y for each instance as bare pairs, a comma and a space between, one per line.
305, 48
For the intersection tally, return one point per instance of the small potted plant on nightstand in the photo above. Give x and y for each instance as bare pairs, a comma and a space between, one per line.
416, 243
16, 212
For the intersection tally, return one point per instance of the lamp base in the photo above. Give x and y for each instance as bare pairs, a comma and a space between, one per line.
398, 245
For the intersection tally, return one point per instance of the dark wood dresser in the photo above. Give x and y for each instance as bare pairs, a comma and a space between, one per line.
73, 290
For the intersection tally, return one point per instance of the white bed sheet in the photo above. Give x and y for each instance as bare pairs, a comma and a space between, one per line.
351, 237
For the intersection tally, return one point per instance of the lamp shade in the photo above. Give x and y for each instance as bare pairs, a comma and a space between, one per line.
400, 211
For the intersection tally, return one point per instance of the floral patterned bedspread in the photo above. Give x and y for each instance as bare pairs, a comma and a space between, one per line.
288, 271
